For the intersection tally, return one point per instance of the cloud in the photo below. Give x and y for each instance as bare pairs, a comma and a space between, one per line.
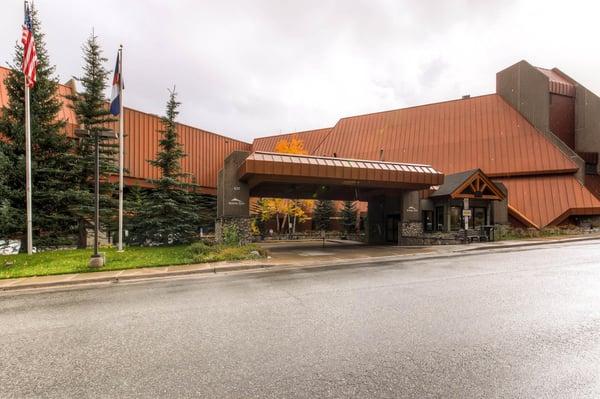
263, 67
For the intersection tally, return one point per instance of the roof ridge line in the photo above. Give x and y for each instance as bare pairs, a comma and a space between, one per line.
155, 115
188, 125
326, 137
292, 133
419, 106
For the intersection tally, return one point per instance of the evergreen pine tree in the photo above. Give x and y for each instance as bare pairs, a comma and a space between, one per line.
7, 212
349, 216
206, 208
55, 195
322, 213
93, 114
168, 213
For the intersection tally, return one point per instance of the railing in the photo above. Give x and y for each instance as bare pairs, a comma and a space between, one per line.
314, 235
484, 233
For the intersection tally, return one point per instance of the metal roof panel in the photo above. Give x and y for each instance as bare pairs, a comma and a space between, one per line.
479, 132
547, 200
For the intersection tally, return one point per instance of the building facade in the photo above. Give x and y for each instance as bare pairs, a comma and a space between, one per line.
535, 141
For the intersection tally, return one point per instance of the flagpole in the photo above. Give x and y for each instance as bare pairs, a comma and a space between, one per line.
28, 169
121, 149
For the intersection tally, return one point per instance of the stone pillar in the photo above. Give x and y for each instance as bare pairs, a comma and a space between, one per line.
220, 193
410, 231
233, 230
411, 207
233, 201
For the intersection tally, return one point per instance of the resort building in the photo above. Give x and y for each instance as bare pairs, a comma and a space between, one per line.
526, 155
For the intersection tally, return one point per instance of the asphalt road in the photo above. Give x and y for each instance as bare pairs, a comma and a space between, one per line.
506, 324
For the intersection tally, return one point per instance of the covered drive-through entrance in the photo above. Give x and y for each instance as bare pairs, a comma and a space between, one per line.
391, 189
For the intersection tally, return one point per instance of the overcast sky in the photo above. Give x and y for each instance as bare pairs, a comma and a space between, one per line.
262, 67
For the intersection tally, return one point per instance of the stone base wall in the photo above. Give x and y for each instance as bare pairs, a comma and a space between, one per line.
241, 227
413, 234
410, 233
437, 238
410, 229
102, 237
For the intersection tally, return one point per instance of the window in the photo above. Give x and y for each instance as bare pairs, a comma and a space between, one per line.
455, 218
591, 169
428, 221
439, 218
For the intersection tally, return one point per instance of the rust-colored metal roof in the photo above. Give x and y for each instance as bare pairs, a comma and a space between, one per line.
287, 167
310, 138
558, 84
3, 92
479, 132
548, 200
205, 151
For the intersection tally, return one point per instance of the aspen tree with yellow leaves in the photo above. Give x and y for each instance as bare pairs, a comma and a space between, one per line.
287, 212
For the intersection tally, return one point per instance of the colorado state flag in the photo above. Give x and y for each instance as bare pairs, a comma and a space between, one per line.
115, 98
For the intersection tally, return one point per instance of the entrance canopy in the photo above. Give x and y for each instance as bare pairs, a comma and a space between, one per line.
303, 176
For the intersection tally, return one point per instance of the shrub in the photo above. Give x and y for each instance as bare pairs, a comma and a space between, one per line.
517, 233
235, 253
231, 236
202, 252
200, 249
257, 227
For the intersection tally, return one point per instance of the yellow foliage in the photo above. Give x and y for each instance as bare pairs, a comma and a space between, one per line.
285, 210
291, 146
254, 228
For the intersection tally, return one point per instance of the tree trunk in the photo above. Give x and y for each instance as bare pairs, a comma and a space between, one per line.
283, 223
82, 236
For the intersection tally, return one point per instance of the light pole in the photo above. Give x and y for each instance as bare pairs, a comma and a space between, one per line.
97, 260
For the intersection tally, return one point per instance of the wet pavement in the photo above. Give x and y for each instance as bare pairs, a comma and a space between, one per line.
510, 323
315, 250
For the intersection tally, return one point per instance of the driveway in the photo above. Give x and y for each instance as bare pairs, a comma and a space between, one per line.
315, 250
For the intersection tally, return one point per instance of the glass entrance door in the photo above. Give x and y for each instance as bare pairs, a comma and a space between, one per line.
479, 217
391, 228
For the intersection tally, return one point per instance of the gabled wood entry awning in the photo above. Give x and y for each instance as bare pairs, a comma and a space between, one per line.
272, 170
470, 184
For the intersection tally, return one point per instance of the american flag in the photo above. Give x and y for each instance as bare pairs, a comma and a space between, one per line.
29, 53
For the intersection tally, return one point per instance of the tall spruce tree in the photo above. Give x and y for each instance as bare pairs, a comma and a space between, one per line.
349, 216
7, 212
206, 207
55, 195
322, 213
168, 213
94, 116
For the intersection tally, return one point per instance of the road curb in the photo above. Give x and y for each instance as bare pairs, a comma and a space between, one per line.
225, 269
117, 279
535, 243
324, 265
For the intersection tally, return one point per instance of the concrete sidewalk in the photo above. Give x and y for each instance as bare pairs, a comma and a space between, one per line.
303, 254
